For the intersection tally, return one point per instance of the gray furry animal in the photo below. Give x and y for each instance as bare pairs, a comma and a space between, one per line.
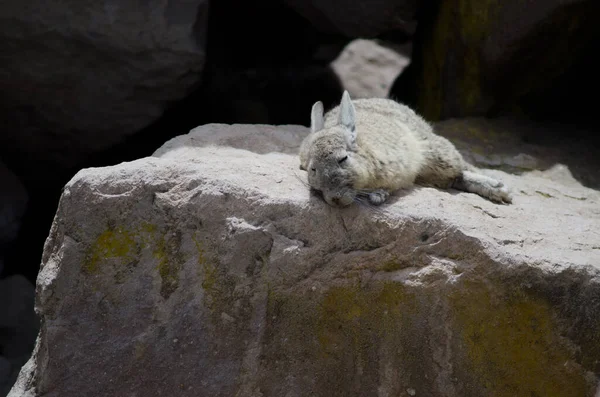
368, 148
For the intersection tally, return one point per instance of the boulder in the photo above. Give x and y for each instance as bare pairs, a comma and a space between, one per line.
368, 69
474, 58
77, 77
208, 269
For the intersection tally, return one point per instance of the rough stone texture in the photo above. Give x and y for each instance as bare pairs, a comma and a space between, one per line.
368, 69
209, 270
13, 201
78, 76
359, 19
18, 328
474, 58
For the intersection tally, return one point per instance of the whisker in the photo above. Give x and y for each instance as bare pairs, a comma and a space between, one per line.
364, 191
301, 180
361, 196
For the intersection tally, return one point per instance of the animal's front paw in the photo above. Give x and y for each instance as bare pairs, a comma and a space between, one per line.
499, 193
503, 195
378, 197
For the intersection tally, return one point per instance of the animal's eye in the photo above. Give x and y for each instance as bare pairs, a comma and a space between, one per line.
340, 161
313, 169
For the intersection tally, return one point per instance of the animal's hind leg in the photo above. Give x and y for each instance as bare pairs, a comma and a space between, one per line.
483, 185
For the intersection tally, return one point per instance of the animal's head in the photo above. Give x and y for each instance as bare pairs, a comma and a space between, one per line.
328, 155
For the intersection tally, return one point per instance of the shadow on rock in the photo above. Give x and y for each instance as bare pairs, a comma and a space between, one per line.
522, 146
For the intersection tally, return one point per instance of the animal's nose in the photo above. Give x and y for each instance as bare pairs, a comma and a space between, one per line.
335, 200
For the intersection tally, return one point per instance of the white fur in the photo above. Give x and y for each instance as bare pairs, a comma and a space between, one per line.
388, 147
383, 136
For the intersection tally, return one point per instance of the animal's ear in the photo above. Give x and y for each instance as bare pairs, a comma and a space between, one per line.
316, 117
347, 117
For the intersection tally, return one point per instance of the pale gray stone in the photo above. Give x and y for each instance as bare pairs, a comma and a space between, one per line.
368, 69
209, 270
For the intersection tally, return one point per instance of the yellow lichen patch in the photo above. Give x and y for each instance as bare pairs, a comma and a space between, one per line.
346, 337
209, 274
512, 345
169, 264
350, 317
200, 252
124, 246
392, 266
217, 285
112, 243
475, 19
209, 281
147, 231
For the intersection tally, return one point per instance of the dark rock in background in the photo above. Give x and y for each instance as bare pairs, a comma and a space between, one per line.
485, 59
520, 146
78, 77
269, 95
267, 65
18, 328
359, 18
13, 202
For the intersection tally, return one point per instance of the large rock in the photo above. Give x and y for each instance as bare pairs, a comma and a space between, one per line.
77, 77
209, 270
474, 58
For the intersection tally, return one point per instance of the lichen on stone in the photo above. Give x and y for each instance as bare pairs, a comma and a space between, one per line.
512, 343
112, 243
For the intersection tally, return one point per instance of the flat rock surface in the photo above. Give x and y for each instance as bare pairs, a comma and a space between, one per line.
209, 270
